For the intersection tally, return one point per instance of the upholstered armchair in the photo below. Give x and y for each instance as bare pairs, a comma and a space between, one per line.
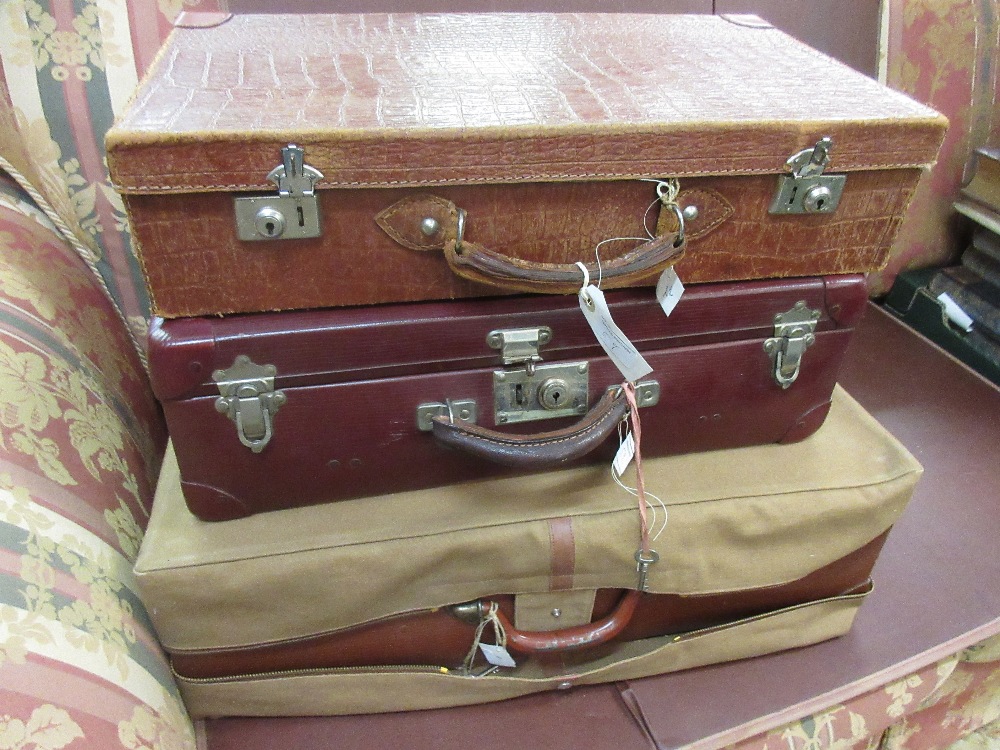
81, 436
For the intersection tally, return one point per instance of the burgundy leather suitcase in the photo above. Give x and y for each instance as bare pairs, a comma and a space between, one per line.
272, 162
268, 411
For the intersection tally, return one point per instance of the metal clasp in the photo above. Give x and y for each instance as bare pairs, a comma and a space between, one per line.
527, 391
808, 189
291, 214
794, 332
519, 346
249, 399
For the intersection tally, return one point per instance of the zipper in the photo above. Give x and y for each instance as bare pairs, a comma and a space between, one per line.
389, 669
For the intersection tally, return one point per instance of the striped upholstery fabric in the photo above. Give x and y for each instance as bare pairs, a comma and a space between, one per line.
80, 444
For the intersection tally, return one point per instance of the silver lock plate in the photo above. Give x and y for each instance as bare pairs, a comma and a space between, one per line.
550, 391
807, 190
808, 195
271, 217
291, 214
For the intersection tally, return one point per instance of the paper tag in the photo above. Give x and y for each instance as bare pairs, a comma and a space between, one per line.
498, 656
626, 452
669, 290
955, 313
621, 351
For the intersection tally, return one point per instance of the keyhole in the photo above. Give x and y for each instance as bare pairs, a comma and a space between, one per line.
552, 392
270, 222
519, 394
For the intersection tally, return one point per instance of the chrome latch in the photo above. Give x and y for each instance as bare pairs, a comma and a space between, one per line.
519, 346
249, 399
291, 214
794, 332
463, 410
527, 391
808, 190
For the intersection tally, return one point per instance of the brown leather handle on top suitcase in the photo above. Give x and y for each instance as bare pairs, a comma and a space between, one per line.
429, 222
540, 449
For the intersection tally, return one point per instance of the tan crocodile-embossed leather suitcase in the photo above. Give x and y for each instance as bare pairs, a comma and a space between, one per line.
282, 161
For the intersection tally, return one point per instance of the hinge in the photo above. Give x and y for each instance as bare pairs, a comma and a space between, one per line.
291, 214
248, 397
794, 332
808, 190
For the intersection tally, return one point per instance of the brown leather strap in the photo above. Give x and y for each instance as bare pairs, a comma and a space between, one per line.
429, 222
563, 550
570, 639
476, 263
541, 449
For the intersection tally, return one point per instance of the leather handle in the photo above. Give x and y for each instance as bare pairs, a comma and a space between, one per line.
476, 263
540, 449
575, 638
428, 222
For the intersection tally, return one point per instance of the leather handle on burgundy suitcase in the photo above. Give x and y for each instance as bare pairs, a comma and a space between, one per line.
575, 638
540, 449
428, 222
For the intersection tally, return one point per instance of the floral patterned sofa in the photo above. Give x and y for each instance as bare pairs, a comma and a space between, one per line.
81, 436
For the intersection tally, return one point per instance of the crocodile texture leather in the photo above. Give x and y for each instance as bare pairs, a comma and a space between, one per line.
541, 126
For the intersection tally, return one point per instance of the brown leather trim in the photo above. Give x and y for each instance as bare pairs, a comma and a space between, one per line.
438, 638
402, 221
563, 547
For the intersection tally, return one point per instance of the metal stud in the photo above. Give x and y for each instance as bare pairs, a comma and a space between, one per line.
430, 226
690, 213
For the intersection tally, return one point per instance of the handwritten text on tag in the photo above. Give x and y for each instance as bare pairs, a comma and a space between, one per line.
669, 290
621, 351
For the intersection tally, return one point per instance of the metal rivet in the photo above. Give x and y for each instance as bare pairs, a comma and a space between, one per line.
333, 464
690, 213
565, 685
501, 419
464, 414
355, 463
430, 226
557, 612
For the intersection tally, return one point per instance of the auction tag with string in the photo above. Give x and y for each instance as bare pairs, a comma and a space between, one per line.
498, 656
669, 290
625, 454
617, 345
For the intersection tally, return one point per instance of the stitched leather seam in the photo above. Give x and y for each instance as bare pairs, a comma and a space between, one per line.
389, 213
119, 186
532, 443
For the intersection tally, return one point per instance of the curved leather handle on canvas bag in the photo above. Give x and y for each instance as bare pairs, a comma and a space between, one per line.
540, 449
428, 222
575, 638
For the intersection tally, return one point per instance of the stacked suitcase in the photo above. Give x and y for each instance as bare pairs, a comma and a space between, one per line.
394, 392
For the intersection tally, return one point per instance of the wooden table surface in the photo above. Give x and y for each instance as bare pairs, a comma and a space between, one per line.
935, 593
